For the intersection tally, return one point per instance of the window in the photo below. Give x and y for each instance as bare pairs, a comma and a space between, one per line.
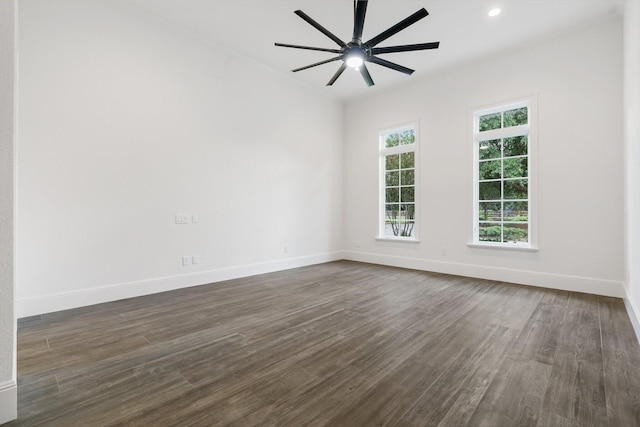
398, 183
502, 175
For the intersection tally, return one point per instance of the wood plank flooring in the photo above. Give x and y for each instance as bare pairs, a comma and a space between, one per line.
337, 344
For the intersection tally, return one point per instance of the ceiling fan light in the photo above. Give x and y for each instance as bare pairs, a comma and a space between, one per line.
354, 61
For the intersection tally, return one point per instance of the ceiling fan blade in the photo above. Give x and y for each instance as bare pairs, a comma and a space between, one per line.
358, 19
398, 27
365, 75
337, 74
390, 64
295, 46
405, 48
317, 63
320, 28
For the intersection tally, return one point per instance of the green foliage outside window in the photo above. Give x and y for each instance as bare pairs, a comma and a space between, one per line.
515, 117
399, 181
405, 137
503, 179
511, 234
402, 221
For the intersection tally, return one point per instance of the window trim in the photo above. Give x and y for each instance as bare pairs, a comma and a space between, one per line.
532, 154
382, 152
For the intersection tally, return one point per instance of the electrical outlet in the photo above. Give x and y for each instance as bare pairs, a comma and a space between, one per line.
186, 260
182, 219
443, 251
286, 249
195, 218
195, 259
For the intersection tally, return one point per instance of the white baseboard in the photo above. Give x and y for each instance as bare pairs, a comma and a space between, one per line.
8, 401
564, 282
634, 315
65, 300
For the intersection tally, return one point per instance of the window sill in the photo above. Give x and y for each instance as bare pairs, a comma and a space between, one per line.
503, 247
391, 239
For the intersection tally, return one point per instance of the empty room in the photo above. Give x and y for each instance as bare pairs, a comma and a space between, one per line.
320, 213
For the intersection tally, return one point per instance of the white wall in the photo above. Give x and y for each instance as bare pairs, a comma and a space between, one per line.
8, 389
632, 156
577, 80
125, 122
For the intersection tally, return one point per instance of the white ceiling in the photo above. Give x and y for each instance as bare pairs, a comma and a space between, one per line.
465, 32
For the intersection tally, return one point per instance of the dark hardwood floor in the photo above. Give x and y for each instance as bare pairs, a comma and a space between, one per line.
338, 344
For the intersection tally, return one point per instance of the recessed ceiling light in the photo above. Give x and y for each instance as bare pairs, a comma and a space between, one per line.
494, 12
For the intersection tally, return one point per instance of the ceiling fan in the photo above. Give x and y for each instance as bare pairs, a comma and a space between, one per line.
356, 53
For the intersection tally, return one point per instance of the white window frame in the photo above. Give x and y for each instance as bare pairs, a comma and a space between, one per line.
382, 182
530, 129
